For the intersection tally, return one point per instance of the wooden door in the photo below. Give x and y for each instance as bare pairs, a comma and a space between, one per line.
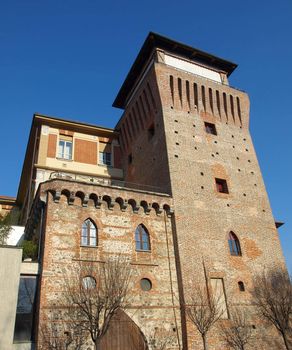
123, 334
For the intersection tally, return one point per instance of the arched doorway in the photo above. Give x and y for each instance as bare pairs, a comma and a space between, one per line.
123, 334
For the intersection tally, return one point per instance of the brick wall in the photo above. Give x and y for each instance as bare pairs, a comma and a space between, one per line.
116, 224
189, 161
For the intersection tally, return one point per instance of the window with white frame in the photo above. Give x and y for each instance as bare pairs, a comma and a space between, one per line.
65, 149
105, 156
88, 233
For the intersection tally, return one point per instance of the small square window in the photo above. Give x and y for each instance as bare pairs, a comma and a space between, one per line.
210, 128
221, 186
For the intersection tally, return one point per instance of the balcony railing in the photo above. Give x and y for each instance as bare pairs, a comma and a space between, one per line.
96, 180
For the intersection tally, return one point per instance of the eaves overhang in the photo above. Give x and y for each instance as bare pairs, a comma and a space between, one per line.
157, 41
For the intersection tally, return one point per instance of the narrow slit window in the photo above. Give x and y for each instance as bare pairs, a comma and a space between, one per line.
203, 97
218, 102
179, 83
171, 88
188, 93
238, 109
225, 104
196, 95
232, 107
211, 100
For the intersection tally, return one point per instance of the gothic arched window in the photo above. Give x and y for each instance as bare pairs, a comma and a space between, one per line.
89, 233
234, 245
142, 238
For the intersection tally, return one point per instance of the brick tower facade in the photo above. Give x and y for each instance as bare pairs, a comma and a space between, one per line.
175, 189
184, 129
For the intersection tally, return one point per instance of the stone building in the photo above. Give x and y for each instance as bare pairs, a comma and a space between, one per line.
175, 188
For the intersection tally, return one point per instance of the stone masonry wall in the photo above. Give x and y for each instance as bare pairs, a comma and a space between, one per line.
68, 204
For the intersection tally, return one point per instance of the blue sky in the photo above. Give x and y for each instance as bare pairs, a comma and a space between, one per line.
68, 58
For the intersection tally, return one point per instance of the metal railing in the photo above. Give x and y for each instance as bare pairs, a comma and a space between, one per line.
98, 180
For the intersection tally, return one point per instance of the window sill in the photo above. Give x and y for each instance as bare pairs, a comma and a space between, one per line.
222, 194
88, 246
143, 251
105, 165
23, 341
64, 159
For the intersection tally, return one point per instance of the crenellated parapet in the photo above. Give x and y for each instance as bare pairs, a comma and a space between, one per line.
110, 198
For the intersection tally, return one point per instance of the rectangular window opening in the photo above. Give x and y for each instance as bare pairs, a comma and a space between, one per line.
105, 158
65, 149
25, 310
221, 185
210, 128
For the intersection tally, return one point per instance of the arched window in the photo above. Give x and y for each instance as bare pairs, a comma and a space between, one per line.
89, 233
234, 245
142, 238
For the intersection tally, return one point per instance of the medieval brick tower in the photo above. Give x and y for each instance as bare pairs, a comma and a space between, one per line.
186, 131
175, 189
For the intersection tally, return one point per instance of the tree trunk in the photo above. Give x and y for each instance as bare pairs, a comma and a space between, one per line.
97, 344
204, 336
286, 342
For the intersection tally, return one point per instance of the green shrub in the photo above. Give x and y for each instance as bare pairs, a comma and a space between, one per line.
5, 228
29, 250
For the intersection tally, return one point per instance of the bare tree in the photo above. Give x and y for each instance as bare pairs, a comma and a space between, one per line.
58, 333
238, 333
160, 339
273, 298
95, 292
204, 310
